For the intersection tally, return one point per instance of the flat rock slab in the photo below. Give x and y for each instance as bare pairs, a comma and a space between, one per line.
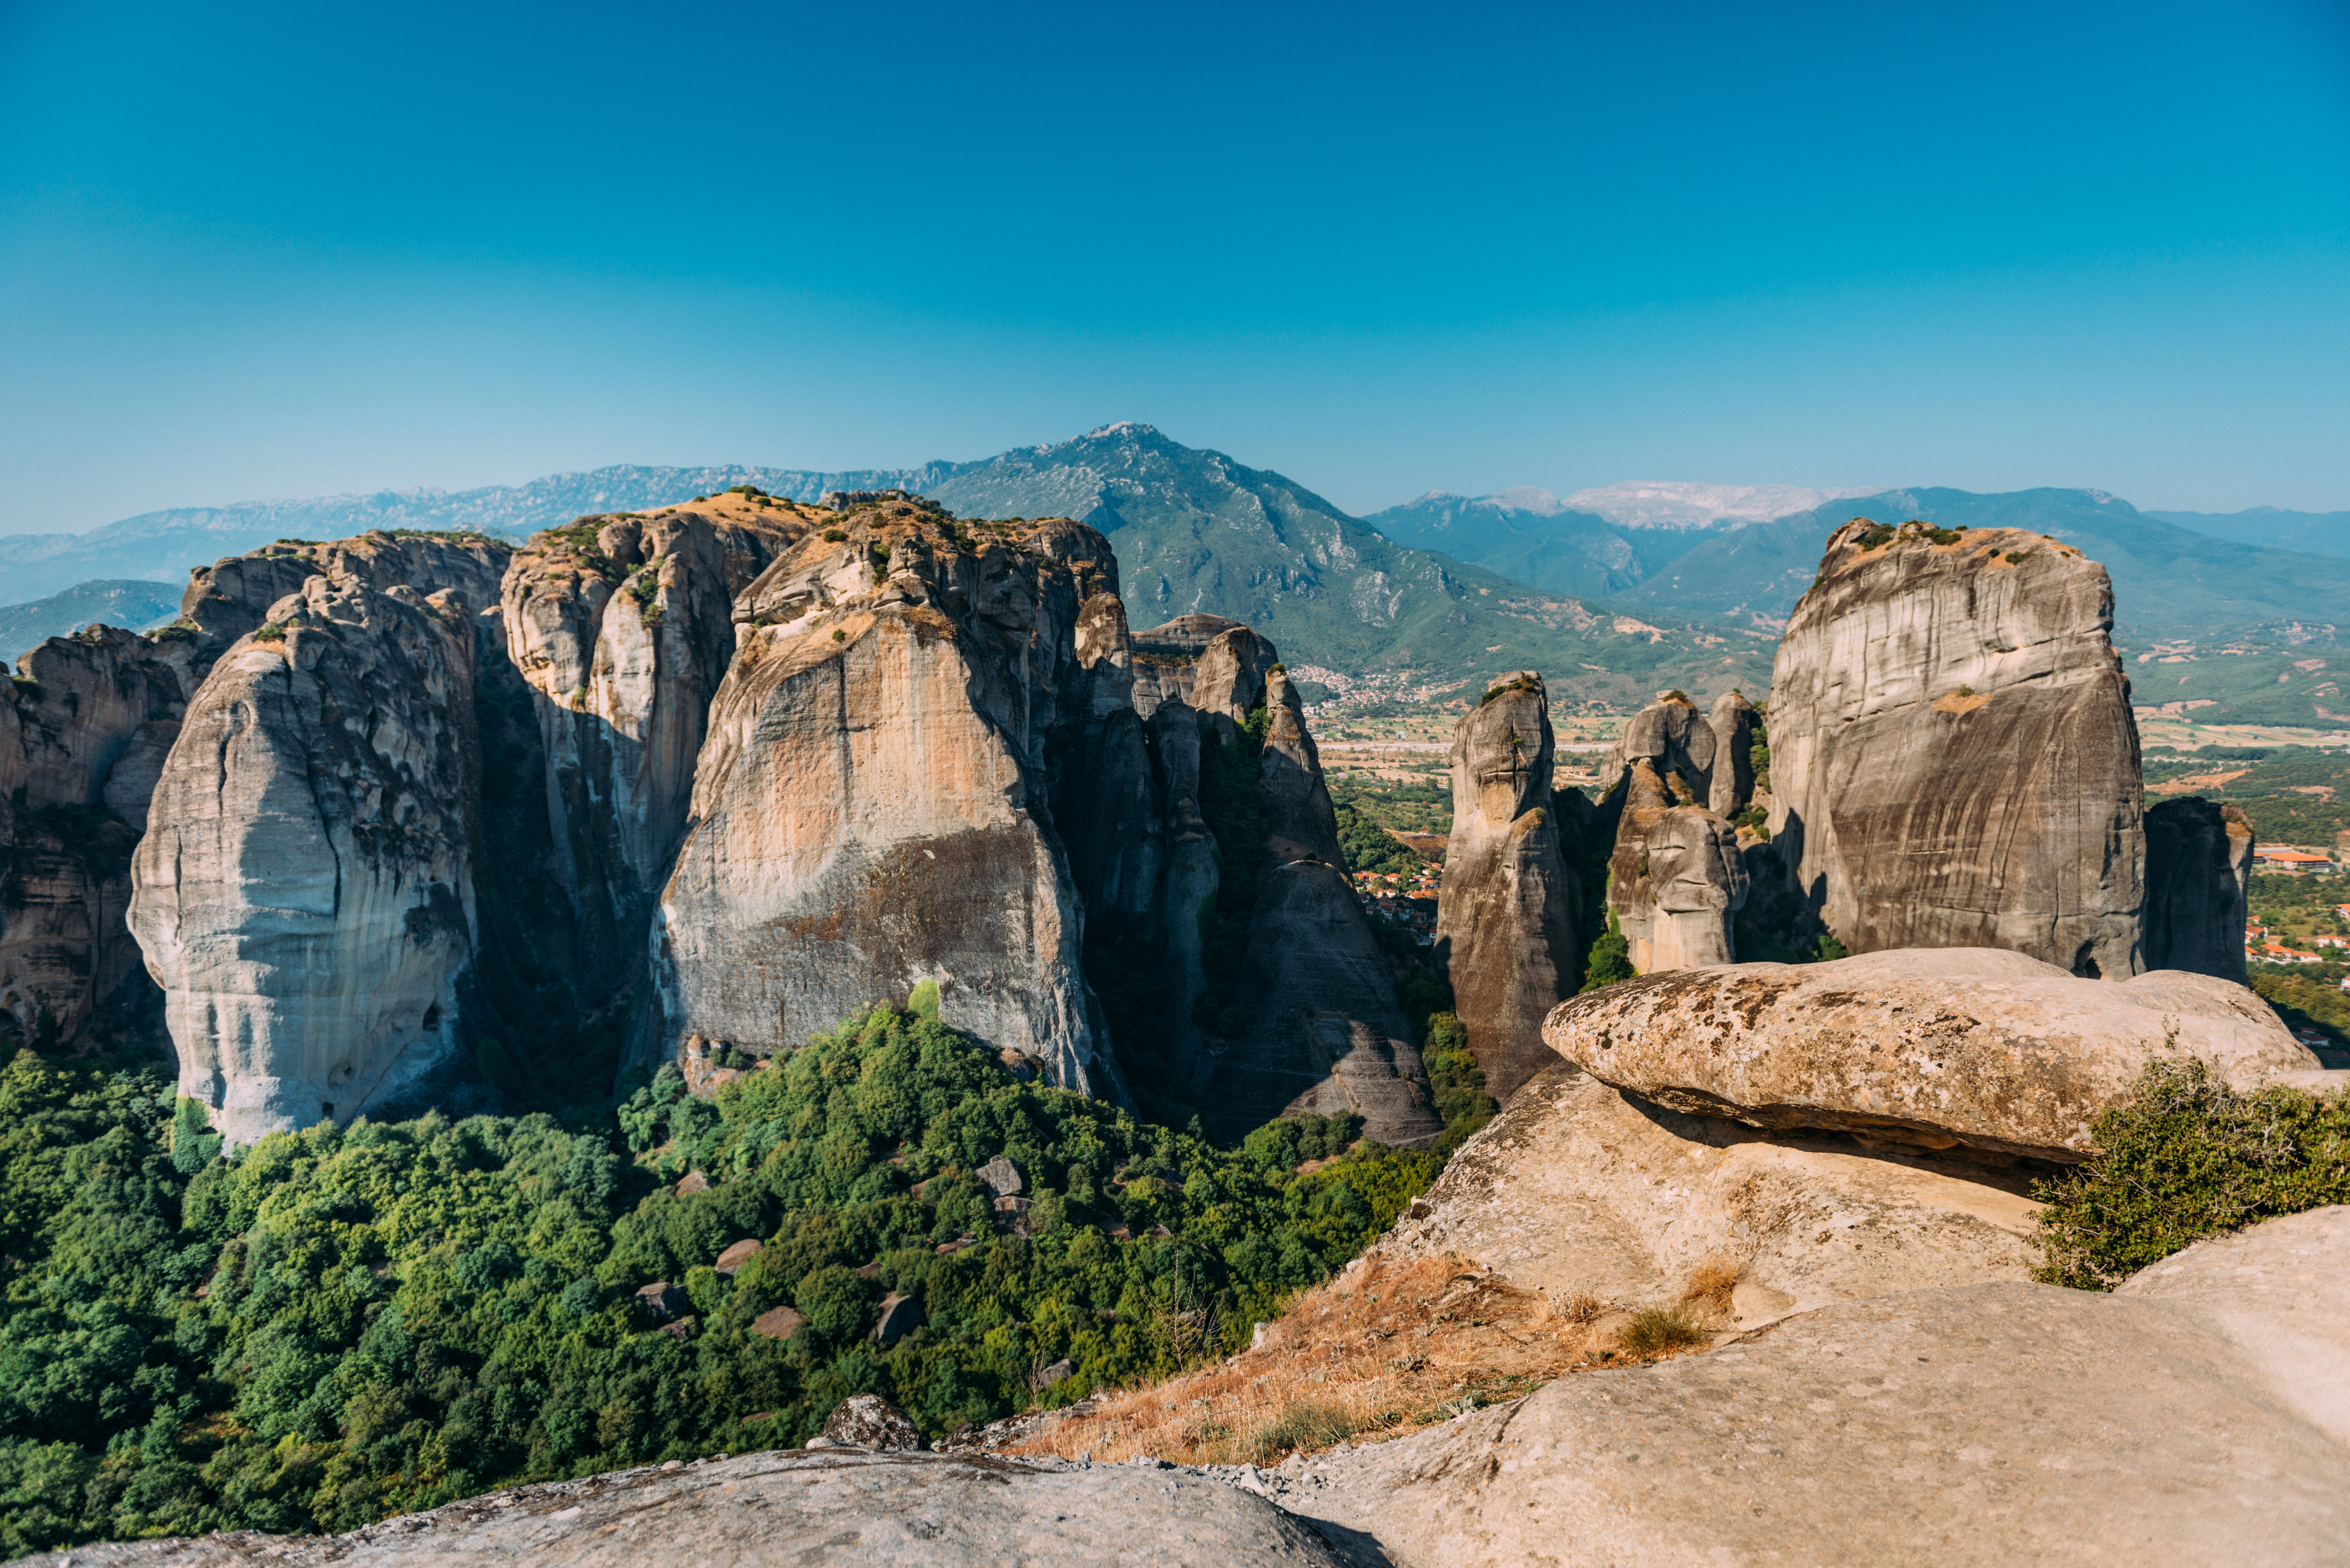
907, 1511
1576, 1189
1992, 1424
1932, 1046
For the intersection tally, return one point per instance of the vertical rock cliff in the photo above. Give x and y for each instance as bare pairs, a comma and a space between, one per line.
304, 893
232, 595
622, 628
1299, 822
83, 730
871, 810
2198, 861
1676, 880
1953, 759
1505, 937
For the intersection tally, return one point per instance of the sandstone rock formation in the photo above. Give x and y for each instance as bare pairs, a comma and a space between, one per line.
1166, 658
906, 1509
1299, 822
1733, 723
1228, 681
1953, 759
1107, 795
1677, 740
1326, 1032
2195, 1417
304, 893
1505, 936
1936, 1048
232, 595
1576, 1190
2198, 861
622, 628
871, 805
82, 730
1676, 880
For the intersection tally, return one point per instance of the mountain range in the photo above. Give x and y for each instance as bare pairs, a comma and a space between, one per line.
1628, 587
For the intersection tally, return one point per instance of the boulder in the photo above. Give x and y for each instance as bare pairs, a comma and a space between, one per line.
662, 1299
869, 1421
870, 809
900, 1315
1575, 1188
304, 894
2198, 860
1000, 1176
1505, 936
1677, 879
1953, 762
906, 1509
778, 1323
1934, 1048
731, 1260
2191, 1418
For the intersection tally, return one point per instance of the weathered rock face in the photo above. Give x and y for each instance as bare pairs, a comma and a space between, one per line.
1229, 680
907, 1510
1936, 1048
1166, 658
623, 627
2198, 860
1677, 880
870, 808
1107, 795
1678, 741
1733, 723
2186, 1419
304, 894
1953, 759
1505, 937
1326, 1034
1300, 822
1575, 1188
82, 730
232, 598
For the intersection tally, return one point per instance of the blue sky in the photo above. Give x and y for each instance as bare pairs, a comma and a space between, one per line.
251, 250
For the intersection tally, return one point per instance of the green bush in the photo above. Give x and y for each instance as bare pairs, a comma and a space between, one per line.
1611, 959
2187, 1156
1456, 1081
1659, 1329
835, 536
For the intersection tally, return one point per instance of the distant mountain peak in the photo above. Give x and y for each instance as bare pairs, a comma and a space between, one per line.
1123, 427
1683, 503
1525, 498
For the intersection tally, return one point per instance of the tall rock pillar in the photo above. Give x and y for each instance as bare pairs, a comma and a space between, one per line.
1505, 937
2199, 858
1953, 762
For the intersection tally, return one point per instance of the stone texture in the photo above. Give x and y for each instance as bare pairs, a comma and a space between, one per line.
731, 1260
1675, 738
900, 1315
1166, 658
233, 596
1733, 723
836, 1507
1326, 1032
869, 1421
1106, 794
622, 627
2198, 861
1953, 762
1229, 680
82, 731
1505, 936
1299, 822
870, 808
1936, 1047
1000, 1176
1986, 1424
778, 1323
304, 893
1676, 880
1576, 1189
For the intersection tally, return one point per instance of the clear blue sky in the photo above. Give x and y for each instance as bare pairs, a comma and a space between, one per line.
250, 250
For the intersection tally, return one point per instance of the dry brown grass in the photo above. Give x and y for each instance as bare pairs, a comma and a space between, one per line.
1709, 1287
1383, 1350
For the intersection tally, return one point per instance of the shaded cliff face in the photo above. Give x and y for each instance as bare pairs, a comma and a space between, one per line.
1228, 680
870, 808
621, 628
83, 730
1167, 659
304, 894
1676, 879
1299, 822
1505, 937
1107, 798
1953, 759
1326, 1033
2199, 859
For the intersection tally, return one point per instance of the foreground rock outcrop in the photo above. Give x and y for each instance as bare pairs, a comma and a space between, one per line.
1505, 934
304, 894
2200, 1415
871, 807
1953, 759
844, 1507
1971, 1047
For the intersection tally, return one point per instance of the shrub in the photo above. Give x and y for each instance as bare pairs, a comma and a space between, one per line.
835, 536
2187, 1156
1658, 1329
273, 631
1875, 537
1827, 950
1611, 959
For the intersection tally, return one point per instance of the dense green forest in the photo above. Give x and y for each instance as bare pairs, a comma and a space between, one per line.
334, 1326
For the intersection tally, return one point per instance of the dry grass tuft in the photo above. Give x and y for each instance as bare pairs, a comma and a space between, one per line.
1582, 1307
1660, 1329
1709, 1285
1383, 1350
